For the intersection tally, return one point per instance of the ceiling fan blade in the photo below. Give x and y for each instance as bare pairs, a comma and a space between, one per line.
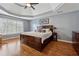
32, 7
25, 7
34, 3
19, 4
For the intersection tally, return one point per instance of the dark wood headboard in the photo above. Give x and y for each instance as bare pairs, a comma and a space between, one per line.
46, 27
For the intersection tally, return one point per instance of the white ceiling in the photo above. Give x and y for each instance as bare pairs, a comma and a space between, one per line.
69, 7
41, 9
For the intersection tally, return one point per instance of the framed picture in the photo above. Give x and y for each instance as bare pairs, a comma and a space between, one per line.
44, 21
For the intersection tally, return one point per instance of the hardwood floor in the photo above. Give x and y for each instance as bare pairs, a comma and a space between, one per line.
52, 49
14, 48
10, 48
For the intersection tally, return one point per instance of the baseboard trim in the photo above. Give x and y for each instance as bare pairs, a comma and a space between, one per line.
65, 41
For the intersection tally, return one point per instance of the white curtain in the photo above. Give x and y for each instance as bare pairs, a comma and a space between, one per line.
9, 26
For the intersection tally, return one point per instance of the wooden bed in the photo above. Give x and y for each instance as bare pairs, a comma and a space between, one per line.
35, 42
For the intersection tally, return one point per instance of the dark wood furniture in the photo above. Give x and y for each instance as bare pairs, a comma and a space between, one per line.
54, 34
36, 42
0, 39
75, 39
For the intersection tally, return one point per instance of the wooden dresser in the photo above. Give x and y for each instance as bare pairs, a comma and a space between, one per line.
0, 39
75, 39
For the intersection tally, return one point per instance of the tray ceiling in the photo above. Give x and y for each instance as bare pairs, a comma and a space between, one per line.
40, 9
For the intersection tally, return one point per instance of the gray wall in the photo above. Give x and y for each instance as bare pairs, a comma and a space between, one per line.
27, 26
65, 23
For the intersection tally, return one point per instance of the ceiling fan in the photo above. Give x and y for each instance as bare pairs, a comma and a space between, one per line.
27, 5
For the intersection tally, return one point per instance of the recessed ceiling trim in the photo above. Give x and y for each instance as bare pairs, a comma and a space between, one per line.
30, 16
5, 13
14, 13
27, 18
49, 12
10, 17
18, 5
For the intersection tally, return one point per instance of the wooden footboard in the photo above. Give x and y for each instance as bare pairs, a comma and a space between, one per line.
31, 41
34, 42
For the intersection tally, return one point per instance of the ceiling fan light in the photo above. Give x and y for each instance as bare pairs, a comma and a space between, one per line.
28, 4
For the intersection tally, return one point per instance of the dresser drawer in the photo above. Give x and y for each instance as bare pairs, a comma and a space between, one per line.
75, 39
0, 40
77, 36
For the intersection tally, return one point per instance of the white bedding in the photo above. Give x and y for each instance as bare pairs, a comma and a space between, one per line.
42, 35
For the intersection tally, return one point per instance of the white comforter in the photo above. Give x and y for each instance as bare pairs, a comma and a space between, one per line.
42, 35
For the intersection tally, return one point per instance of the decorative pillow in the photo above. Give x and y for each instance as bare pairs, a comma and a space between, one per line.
45, 30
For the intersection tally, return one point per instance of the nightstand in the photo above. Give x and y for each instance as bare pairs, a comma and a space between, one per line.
54, 36
75, 39
0, 40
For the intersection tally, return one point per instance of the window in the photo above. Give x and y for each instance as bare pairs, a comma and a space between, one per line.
10, 26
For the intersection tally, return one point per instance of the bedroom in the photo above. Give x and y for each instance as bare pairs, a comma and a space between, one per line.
19, 21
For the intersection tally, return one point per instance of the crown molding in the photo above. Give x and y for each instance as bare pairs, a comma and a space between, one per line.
22, 16
2, 8
46, 13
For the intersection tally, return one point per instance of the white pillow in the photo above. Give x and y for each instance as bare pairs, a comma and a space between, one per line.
46, 30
